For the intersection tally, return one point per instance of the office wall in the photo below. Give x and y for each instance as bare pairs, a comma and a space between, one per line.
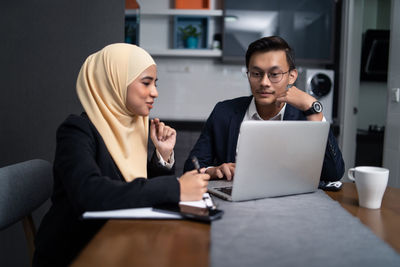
189, 88
43, 44
391, 151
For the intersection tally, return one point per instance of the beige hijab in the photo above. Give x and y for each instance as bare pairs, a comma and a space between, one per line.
102, 88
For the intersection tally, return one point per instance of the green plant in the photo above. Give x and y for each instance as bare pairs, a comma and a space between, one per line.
189, 31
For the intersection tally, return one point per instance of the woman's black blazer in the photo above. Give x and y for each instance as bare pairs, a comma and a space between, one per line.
87, 179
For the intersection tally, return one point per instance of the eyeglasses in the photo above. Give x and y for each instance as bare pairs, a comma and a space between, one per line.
274, 77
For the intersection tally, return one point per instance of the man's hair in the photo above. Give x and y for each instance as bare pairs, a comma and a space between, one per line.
271, 43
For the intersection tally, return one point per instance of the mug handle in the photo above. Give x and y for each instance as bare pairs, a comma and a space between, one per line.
350, 174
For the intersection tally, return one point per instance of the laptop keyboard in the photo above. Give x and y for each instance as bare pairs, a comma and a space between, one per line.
227, 190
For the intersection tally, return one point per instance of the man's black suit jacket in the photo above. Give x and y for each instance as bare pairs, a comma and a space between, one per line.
217, 142
87, 179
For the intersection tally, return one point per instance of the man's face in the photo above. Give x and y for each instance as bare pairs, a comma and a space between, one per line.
270, 64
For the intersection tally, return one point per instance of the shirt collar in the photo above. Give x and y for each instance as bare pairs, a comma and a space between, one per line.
252, 113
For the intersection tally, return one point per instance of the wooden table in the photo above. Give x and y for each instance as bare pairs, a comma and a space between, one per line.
187, 243
384, 222
148, 243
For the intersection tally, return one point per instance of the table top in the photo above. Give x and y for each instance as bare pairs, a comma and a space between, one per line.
187, 243
384, 222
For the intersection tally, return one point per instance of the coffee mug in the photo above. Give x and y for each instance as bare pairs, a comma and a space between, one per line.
371, 184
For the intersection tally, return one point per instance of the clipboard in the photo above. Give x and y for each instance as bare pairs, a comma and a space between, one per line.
202, 210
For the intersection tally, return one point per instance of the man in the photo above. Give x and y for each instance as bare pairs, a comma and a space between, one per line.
271, 73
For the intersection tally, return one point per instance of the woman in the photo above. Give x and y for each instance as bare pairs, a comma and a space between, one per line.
101, 156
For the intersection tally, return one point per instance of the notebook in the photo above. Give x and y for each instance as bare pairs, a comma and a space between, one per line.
275, 158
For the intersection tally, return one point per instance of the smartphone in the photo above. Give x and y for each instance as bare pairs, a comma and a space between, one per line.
191, 212
330, 186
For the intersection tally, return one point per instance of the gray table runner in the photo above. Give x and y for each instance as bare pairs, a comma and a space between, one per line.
302, 230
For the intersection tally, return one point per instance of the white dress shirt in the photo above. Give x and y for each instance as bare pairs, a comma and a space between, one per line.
164, 163
252, 114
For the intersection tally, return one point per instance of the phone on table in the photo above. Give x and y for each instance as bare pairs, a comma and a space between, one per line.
191, 212
330, 186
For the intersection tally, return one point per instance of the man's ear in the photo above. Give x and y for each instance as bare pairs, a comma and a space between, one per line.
293, 76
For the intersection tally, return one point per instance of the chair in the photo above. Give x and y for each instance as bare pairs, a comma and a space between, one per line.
23, 188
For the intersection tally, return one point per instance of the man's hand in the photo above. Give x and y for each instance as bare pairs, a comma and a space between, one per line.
300, 100
224, 170
193, 185
163, 137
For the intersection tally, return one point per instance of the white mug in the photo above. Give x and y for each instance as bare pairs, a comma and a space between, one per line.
371, 184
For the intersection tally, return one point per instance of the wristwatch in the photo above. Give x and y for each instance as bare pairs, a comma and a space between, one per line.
316, 107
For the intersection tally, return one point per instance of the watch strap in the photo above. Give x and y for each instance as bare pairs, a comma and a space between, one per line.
312, 110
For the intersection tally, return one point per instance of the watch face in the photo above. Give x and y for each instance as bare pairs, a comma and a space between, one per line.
317, 106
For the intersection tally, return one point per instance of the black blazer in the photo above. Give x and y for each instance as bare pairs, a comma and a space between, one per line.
87, 179
218, 140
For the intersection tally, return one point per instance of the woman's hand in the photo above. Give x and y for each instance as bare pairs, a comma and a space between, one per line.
163, 138
193, 185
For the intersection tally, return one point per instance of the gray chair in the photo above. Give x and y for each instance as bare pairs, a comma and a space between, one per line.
23, 188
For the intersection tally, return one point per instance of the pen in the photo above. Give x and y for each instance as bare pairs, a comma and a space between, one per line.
196, 163
206, 197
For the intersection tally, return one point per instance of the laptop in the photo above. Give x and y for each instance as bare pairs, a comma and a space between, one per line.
275, 158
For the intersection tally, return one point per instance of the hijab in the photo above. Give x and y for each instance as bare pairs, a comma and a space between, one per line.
102, 90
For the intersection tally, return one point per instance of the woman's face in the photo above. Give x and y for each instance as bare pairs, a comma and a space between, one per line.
142, 92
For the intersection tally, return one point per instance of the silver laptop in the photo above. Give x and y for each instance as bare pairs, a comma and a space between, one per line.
275, 158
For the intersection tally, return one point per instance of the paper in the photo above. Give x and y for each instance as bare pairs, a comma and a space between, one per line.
141, 213
198, 204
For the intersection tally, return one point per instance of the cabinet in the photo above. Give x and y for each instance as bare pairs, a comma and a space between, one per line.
158, 26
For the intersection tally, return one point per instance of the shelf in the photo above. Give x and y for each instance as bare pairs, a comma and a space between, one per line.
159, 24
186, 52
174, 12
132, 12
